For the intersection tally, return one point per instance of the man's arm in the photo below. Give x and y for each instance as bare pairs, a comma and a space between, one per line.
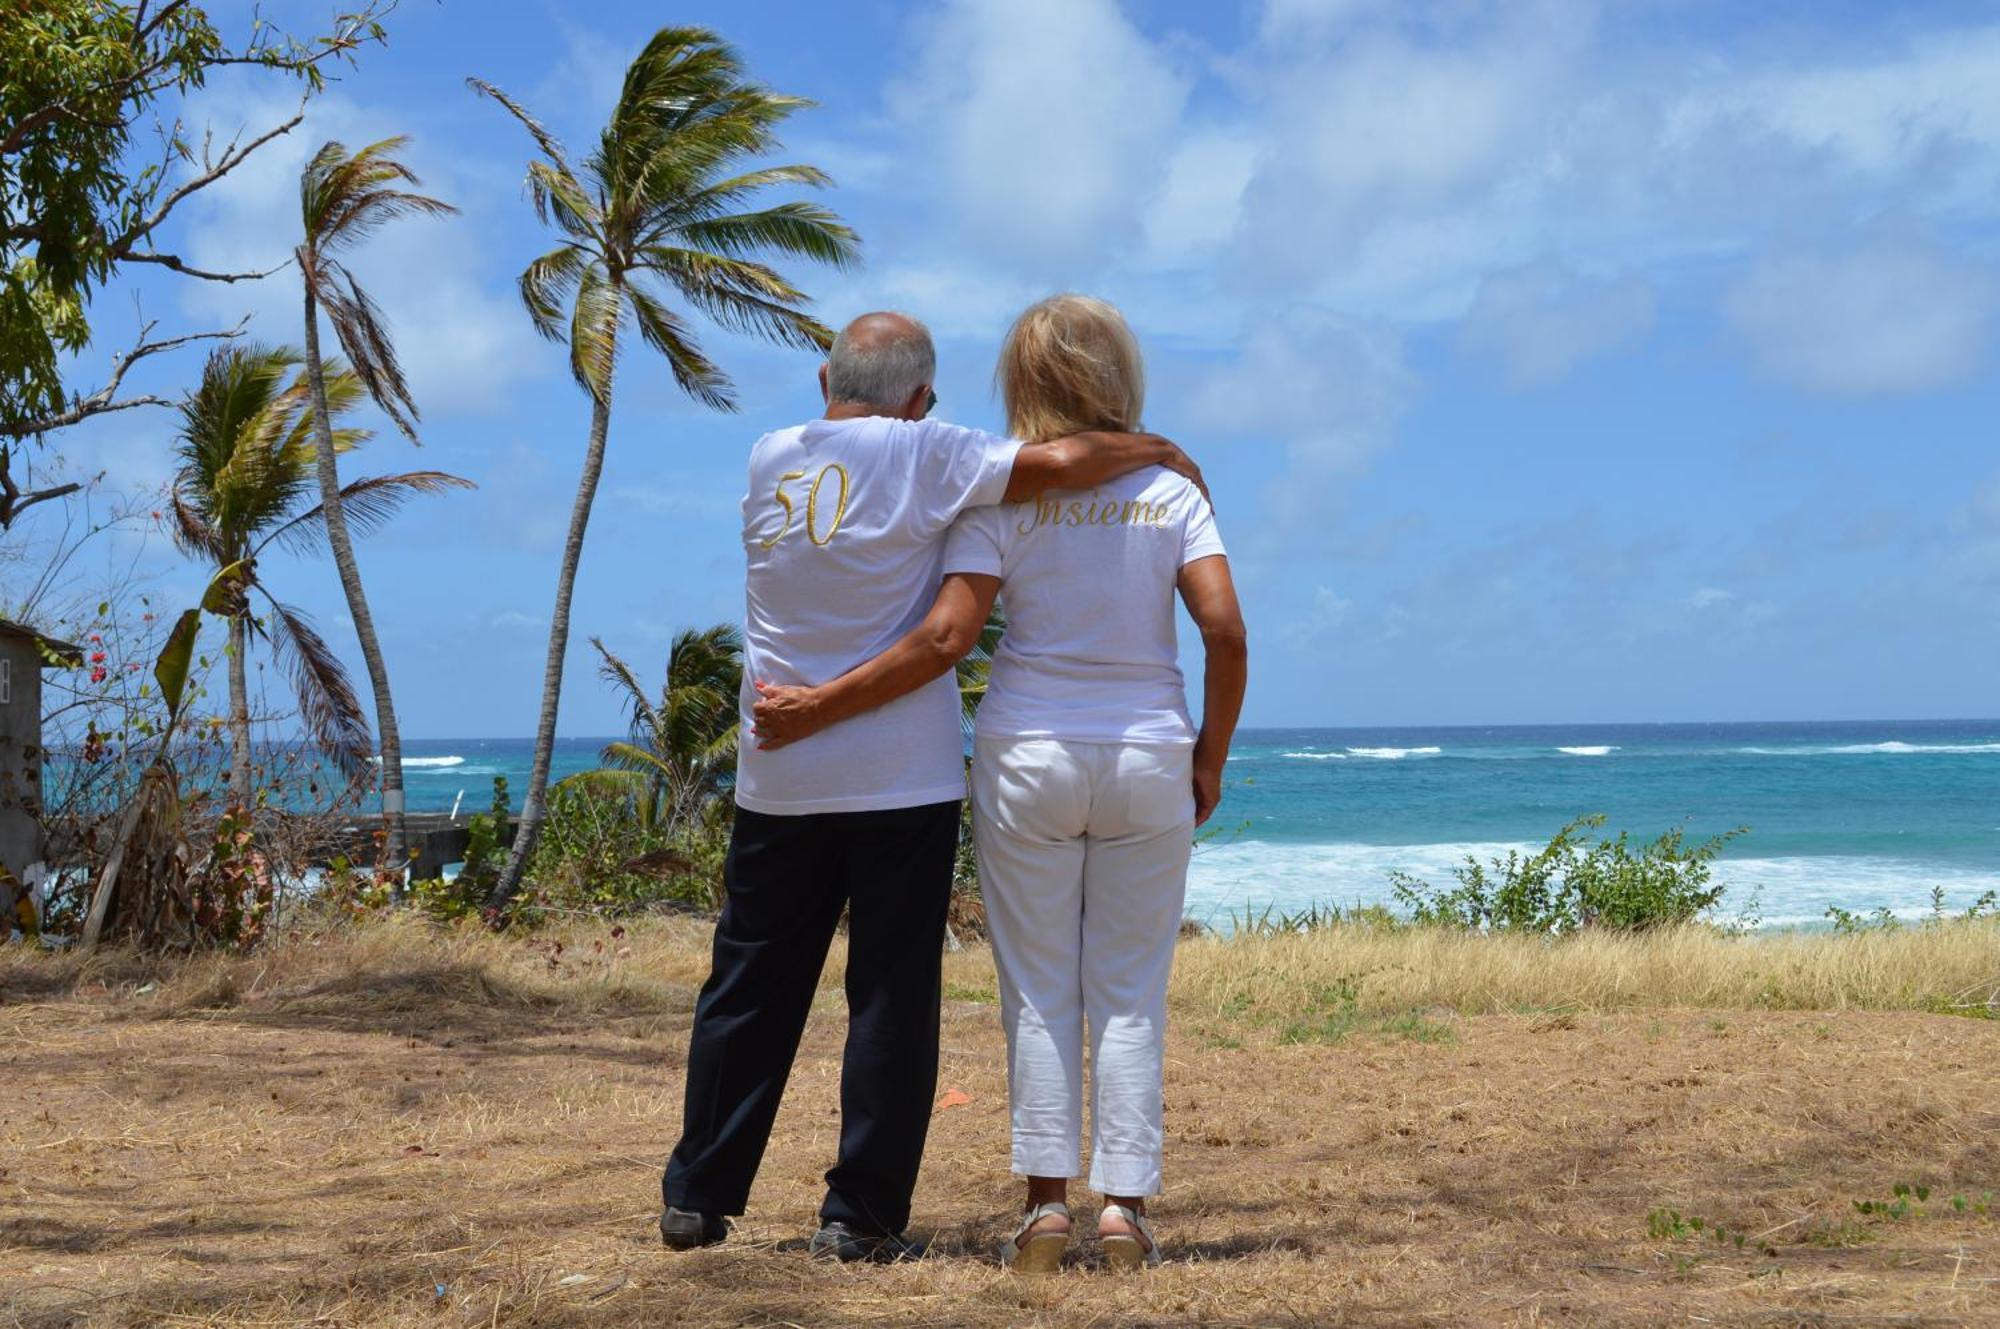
1210, 595
1083, 461
784, 715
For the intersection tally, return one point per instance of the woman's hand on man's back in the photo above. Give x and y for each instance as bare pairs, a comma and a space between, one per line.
784, 715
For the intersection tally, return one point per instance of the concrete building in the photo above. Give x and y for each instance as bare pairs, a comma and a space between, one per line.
24, 653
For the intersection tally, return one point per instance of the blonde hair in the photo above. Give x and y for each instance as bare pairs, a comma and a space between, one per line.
1070, 364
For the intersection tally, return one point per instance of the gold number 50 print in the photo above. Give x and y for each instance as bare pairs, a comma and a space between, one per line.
784, 501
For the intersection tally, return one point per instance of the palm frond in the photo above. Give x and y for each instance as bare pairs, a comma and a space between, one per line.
358, 324
607, 780
613, 670
560, 196
974, 671
802, 230
731, 291
328, 708
550, 145
718, 198
695, 374
367, 503
548, 282
192, 531
628, 756
593, 331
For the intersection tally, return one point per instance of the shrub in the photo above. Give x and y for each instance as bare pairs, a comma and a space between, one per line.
596, 855
1849, 922
465, 894
1574, 884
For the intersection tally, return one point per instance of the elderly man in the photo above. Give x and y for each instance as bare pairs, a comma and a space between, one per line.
843, 528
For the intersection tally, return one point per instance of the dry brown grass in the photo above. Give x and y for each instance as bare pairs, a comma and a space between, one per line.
1362, 1131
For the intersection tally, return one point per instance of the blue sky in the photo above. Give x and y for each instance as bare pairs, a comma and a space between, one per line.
1549, 362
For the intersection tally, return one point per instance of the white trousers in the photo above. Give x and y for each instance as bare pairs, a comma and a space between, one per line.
1083, 855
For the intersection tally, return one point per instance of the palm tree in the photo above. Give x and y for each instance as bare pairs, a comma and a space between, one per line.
246, 447
679, 750
343, 198
976, 668
658, 210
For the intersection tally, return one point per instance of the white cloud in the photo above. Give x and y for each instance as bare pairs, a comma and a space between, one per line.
1327, 386
1985, 507
513, 620
1916, 104
458, 328
1201, 197
1898, 313
684, 496
1539, 322
1048, 122
1708, 597
1327, 612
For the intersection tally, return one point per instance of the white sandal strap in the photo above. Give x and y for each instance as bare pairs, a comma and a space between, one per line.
1052, 1209
1011, 1248
1139, 1225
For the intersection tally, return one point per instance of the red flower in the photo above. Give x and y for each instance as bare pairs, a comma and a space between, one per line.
99, 674
97, 657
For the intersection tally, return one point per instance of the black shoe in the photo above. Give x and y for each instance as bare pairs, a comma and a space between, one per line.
839, 1241
684, 1230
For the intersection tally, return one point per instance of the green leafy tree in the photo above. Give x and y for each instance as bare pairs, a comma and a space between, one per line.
77, 202
245, 480
680, 751
659, 214
343, 198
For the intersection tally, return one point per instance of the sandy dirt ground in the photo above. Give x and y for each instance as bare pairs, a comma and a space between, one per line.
429, 1146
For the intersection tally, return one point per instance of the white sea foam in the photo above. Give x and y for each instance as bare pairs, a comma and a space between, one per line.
1392, 754
422, 763
1592, 750
1891, 748
1315, 756
1249, 875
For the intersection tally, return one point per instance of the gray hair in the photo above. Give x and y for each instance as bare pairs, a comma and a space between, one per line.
880, 360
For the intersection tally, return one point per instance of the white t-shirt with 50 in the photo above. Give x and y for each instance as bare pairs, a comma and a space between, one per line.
1088, 581
843, 531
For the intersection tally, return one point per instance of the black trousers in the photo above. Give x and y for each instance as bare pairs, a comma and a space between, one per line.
786, 881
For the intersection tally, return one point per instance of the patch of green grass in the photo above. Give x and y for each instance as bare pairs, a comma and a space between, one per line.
1417, 1027
984, 996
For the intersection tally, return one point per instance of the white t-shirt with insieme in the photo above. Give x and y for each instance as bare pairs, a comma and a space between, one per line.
843, 530
1088, 581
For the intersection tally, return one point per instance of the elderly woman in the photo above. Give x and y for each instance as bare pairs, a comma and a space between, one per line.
1088, 777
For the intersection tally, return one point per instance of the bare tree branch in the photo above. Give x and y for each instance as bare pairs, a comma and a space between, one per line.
173, 263
105, 399
14, 500
213, 170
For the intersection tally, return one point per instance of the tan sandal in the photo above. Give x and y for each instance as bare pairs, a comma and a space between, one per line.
1043, 1252
1127, 1253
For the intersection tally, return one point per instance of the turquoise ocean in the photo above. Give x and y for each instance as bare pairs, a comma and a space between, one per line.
1860, 815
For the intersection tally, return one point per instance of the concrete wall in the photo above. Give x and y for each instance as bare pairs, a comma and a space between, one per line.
20, 754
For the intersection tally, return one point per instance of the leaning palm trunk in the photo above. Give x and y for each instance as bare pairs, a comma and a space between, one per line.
388, 737
534, 806
239, 711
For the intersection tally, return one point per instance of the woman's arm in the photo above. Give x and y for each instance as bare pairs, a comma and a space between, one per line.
1084, 461
784, 715
1210, 596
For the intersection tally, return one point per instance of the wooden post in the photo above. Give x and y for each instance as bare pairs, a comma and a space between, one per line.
107, 881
